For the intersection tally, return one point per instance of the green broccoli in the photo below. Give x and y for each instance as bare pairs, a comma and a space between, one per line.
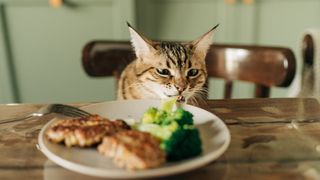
154, 116
163, 133
181, 116
179, 138
178, 142
183, 143
167, 104
163, 118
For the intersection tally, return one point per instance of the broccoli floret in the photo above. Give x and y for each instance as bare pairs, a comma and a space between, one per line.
154, 115
149, 115
178, 142
156, 130
167, 104
182, 144
181, 116
179, 138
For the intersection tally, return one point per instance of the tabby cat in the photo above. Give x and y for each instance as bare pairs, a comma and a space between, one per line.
165, 69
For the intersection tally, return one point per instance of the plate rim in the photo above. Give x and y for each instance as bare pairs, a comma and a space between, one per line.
149, 173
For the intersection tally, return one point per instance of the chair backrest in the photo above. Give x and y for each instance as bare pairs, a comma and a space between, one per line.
308, 50
263, 66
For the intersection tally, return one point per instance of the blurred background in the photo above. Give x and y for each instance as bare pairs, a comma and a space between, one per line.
41, 41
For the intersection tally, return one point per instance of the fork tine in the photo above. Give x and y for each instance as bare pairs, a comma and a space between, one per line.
74, 109
69, 110
72, 114
51, 108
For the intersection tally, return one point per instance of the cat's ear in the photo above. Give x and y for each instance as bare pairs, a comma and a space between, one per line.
202, 44
141, 44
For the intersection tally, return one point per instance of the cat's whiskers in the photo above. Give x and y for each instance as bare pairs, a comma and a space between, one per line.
163, 63
200, 95
189, 95
194, 100
203, 92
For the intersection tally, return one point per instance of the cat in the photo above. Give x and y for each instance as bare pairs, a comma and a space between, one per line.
165, 69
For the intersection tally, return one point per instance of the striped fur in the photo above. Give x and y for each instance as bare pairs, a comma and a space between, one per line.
165, 69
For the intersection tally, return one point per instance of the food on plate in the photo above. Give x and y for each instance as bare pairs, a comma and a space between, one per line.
179, 138
162, 134
84, 132
133, 150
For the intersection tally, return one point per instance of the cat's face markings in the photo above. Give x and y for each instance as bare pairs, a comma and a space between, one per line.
170, 68
177, 70
168, 85
168, 64
175, 54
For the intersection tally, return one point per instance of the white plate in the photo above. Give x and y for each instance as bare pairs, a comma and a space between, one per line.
215, 138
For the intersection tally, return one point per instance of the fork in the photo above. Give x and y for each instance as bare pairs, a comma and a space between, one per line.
51, 108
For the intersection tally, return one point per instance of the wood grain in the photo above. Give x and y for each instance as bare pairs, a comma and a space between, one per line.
271, 139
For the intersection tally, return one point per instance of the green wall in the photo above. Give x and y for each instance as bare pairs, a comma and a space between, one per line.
44, 49
265, 22
40, 46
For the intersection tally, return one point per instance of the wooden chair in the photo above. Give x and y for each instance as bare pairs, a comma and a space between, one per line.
310, 75
264, 66
308, 50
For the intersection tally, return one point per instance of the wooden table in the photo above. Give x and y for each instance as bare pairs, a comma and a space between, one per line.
271, 139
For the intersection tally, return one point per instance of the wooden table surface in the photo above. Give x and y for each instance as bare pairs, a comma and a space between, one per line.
270, 139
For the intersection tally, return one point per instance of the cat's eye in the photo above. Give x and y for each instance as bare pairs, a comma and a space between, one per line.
193, 72
163, 72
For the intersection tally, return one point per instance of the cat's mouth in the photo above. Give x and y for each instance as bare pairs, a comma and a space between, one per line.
171, 95
180, 97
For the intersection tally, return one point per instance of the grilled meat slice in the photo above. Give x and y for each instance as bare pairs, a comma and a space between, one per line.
84, 132
133, 150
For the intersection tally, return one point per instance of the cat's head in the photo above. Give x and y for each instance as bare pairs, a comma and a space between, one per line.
172, 68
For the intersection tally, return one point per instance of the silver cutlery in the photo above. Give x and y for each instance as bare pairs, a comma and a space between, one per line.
51, 108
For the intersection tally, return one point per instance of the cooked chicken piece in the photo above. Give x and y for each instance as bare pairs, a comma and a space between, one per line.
84, 132
133, 150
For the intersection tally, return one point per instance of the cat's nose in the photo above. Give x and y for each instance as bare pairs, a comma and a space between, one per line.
180, 89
